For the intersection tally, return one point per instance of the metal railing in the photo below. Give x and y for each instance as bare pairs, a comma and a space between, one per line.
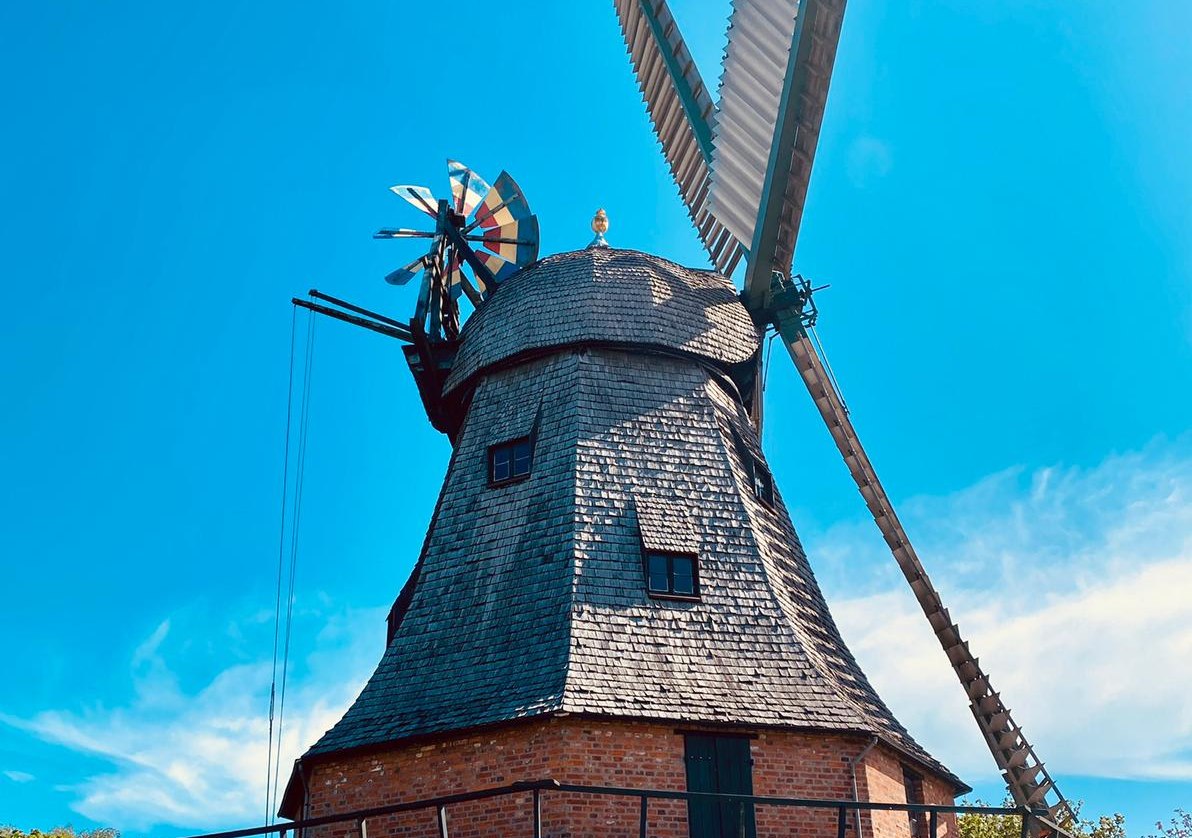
1034, 822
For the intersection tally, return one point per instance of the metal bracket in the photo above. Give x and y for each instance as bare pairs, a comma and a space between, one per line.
791, 299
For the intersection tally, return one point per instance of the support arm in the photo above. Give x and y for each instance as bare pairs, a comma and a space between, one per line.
1025, 775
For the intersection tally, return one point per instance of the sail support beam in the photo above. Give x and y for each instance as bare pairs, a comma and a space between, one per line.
788, 304
685, 79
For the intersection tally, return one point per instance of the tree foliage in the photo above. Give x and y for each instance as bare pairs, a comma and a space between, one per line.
1180, 826
1010, 826
58, 832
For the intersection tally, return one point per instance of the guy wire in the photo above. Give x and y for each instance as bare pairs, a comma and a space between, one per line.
281, 539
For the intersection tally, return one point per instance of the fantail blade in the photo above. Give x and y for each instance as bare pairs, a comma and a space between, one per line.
504, 203
403, 275
467, 188
419, 196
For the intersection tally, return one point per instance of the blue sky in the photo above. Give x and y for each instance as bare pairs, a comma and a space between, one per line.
1000, 203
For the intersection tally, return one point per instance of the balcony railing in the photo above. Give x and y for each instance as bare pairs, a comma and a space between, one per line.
1034, 822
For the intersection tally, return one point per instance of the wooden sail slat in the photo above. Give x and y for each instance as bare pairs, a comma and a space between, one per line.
679, 107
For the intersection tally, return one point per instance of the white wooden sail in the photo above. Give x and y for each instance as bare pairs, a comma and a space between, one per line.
751, 84
680, 108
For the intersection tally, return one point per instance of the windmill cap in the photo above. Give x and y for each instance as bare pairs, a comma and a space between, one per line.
608, 296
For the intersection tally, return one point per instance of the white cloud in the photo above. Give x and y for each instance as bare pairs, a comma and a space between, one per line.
198, 759
1074, 586
19, 776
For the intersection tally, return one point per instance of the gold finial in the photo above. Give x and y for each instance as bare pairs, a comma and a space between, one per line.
599, 227
600, 222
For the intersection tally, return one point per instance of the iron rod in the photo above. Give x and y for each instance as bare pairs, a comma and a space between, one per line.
841, 821
380, 328
641, 827
401, 232
537, 812
319, 295
443, 822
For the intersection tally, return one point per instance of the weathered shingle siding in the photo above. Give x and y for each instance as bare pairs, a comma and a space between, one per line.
485, 637
531, 597
650, 431
790, 577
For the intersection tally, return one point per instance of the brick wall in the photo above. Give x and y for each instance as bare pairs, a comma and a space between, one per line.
584, 752
881, 777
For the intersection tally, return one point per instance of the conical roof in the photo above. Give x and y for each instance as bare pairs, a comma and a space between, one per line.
529, 597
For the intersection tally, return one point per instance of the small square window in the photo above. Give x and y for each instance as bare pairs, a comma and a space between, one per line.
672, 575
763, 483
510, 460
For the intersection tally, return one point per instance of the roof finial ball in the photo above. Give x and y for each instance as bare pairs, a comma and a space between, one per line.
599, 227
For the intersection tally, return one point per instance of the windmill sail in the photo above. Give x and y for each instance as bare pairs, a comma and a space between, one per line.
777, 68
680, 109
1024, 773
750, 181
759, 40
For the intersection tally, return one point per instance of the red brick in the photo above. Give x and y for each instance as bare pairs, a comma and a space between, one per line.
612, 753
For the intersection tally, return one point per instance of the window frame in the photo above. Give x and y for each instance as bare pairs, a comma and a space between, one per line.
756, 467
510, 445
670, 593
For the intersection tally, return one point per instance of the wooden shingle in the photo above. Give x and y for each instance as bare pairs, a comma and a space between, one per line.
530, 597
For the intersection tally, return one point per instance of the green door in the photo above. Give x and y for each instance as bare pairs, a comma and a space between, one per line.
719, 764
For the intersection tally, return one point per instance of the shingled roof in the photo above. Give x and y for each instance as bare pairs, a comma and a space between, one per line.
529, 597
601, 294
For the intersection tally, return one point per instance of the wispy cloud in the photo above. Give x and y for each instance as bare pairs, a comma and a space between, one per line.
19, 776
1075, 588
197, 759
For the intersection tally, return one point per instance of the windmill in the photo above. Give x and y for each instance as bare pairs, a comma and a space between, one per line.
609, 559
743, 167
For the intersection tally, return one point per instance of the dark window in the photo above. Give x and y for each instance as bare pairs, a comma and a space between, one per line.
719, 764
759, 474
672, 574
763, 483
913, 784
509, 461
